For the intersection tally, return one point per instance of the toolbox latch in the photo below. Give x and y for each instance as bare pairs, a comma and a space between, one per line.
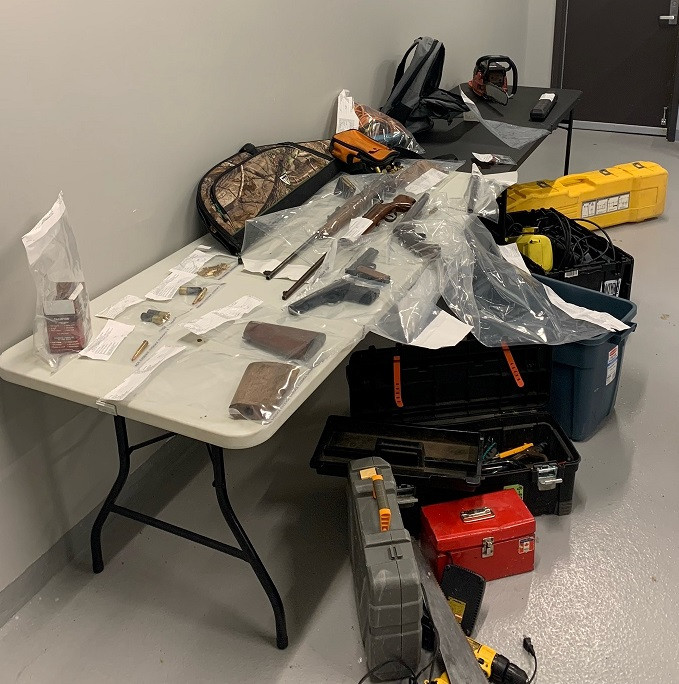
547, 478
487, 547
475, 514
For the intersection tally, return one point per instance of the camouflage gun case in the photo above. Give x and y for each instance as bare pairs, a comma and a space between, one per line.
261, 180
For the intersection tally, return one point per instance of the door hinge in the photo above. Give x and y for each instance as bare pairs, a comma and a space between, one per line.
663, 121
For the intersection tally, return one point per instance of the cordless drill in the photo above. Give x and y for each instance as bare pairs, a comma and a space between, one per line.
497, 668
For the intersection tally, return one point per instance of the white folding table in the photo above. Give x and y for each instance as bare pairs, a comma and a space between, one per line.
85, 381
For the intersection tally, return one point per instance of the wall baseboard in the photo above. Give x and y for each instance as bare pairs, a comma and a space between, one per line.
161, 465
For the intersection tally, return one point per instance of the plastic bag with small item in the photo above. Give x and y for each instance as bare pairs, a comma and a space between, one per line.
62, 325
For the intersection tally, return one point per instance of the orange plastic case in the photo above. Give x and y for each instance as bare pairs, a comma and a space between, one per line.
625, 193
352, 147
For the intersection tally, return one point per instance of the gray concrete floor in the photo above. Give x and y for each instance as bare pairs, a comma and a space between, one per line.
601, 606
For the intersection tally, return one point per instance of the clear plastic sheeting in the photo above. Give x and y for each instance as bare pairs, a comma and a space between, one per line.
510, 134
503, 303
473, 193
62, 325
217, 384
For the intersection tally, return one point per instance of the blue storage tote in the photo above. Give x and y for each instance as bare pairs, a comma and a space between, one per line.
585, 375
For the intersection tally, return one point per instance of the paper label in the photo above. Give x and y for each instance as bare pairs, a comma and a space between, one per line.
168, 288
107, 341
290, 272
606, 205
571, 274
356, 228
346, 116
196, 260
526, 544
612, 366
600, 318
116, 309
548, 96
219, 316
142, 374
444, 331
512, 254
367, 473
426, 181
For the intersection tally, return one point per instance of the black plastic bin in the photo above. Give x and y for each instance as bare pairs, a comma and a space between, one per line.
606, 269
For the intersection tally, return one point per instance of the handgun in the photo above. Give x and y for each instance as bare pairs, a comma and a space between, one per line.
364, 267
339, 291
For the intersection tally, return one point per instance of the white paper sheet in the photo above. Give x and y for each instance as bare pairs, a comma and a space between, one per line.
168, 288
357, 226
215, 318
107, 341
511, 253
346, 116
444, 331
426, 181
116, 309
600, 318
142, 374
196, 260
290, 272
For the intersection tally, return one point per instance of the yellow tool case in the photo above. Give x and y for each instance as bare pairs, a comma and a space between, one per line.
620, 194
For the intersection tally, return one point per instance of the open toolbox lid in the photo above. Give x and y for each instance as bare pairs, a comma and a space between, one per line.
406, 384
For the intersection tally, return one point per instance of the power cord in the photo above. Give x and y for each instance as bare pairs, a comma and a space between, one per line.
528, 647
411, 680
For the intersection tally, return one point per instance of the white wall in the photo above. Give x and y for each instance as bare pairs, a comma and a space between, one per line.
123, 105
539, 41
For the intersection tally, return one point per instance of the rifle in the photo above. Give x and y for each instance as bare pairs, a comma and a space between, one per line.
335, 221
339, 291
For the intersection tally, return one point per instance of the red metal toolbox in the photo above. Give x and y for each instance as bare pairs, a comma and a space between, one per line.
491, 534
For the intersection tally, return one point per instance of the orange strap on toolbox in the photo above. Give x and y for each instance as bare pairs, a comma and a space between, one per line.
398, 399
512, 365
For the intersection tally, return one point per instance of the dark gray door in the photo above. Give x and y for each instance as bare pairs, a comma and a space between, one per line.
622, 54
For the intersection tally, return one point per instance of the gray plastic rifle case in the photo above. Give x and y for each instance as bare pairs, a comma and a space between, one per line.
386, 577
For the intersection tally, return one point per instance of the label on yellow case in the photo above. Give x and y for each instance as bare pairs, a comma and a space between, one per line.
367, 473
458, 608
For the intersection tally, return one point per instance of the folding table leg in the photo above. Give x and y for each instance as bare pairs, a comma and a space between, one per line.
567, 160
124, 452
217, 457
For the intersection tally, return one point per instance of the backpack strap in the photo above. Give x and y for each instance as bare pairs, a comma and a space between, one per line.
400, 70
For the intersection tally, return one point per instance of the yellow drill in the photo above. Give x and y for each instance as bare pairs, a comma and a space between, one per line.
495, 666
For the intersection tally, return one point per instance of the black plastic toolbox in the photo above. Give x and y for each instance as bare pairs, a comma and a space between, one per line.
469, 390
605, 267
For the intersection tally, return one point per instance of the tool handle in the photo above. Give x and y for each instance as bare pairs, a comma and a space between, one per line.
380, 493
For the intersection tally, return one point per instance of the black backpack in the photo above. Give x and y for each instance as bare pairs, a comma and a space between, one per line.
416, 99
